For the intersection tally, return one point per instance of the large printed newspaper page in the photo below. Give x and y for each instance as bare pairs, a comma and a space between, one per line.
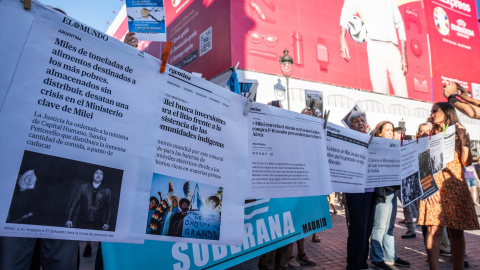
347, 152
75, 137
200, 163
287, 154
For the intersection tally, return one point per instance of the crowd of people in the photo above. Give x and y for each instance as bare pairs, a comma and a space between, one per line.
371, 215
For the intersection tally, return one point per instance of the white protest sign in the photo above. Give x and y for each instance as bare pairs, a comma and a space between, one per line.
429, 185
411, 188
200, 153
383, 163
75, 121
435, 144
287, 154
347, 152
449, 144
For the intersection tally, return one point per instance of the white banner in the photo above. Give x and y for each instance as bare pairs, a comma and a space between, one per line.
435, 144
449, 144
74, 135
287, 154
347, 152
200, 156
411, 188
429, 185
383, 167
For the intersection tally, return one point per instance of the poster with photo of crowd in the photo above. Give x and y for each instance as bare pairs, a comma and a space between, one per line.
428, 183
183, 208
411, 188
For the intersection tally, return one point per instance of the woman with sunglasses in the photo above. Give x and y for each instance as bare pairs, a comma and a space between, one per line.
452, 206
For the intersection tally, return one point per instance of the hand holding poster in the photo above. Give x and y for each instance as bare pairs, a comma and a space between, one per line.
347, 152
286, 154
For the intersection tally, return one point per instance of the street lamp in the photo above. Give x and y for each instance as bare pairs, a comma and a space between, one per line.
286, 65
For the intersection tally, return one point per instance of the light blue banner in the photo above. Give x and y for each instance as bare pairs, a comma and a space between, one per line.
269, 224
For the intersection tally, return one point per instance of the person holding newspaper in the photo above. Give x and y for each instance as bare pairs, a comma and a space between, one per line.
451, 207
382, 244
360, 207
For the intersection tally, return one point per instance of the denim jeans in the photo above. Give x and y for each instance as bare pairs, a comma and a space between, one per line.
383, 243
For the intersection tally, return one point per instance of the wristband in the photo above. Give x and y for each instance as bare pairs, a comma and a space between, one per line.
451, 96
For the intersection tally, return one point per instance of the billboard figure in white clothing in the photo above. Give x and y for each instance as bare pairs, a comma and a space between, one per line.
382, 21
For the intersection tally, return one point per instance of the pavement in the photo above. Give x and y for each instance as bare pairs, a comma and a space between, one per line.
331, 252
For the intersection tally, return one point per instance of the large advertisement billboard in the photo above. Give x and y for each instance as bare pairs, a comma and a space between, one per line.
209, 36
454, 43
310, 30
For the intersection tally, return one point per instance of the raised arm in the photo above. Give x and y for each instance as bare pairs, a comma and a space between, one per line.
466, 155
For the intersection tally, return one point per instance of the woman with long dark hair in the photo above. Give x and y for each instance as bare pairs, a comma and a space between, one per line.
382, 244
451, 207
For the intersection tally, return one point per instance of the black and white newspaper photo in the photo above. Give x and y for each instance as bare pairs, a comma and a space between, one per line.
435, 144
411, 188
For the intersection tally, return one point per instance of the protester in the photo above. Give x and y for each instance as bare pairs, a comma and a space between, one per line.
170, 211
154, 202
176, 223
302, 256
331, 202
469, 107
382, 250
311, 111
407, 211
361, 210
397, 133
280, 257
472, 180
452, 206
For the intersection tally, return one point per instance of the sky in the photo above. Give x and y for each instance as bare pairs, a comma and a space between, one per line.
97, 13
161, 182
